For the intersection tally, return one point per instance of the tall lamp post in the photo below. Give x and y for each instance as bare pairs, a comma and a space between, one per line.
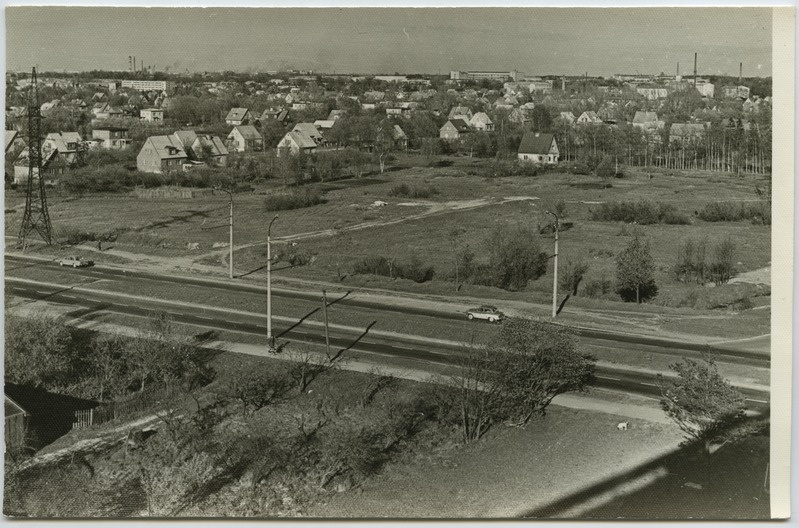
230, 224
555, 278
269, 338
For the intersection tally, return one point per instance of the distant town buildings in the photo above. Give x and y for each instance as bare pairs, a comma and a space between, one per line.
512, 75
146, 86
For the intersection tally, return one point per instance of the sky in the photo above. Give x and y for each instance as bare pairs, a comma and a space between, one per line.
536, 41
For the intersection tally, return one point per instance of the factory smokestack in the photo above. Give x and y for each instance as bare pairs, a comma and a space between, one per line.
130, 63
740, 72
695, 54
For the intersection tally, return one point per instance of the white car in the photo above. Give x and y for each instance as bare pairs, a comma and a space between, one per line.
75, 262
485, 312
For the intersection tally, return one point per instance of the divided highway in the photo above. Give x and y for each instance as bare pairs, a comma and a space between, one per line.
88, 301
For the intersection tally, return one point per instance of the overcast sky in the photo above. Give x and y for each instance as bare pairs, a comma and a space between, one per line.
421, 40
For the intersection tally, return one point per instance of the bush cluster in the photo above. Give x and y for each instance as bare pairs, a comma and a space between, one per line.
736, 211
642, 212
413, 191
413, 270
293, 199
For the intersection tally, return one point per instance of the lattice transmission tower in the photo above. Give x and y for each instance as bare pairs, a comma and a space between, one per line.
36, 217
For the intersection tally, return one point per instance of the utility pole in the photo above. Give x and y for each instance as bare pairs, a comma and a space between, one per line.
36, 216
270, 339
327, 329
555, 278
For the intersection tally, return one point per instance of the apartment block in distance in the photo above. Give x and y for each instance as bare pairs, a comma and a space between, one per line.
147, 86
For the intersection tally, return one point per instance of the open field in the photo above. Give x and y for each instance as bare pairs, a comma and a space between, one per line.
346, 229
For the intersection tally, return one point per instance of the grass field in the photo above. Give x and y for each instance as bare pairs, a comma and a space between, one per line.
347, 228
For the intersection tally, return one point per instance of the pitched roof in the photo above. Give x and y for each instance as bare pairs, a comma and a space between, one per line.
167, 147
481, 117
185, 138
459, 110
459, 124
309, 129
236, 114
61, 140
324, 123
247, 131
216, 145
536, 143
11, 135
302, 139
398, 133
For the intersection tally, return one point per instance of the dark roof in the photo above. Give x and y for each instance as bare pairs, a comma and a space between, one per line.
536, 143
460, 125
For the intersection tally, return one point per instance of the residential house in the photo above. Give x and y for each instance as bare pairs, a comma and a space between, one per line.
567, 117
151, 115
161, 154
453, 129
647, 121
245, 138
400, 139
324, 124
201, 148
537, 147
106, 111
238, 116
481, 121
66, 143
295, 142
506, 103
207, 150
310, 130
589, 117
460, 112
14, 141
520, 116
281, 115
335, 114
52, 166
111, 137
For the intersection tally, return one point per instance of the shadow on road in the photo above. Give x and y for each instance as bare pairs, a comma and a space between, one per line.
686, 483
355, 342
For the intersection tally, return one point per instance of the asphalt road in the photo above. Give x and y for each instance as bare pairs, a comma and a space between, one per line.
88, 303
589, 337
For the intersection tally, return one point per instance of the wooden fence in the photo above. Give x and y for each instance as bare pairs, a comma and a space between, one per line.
134, 403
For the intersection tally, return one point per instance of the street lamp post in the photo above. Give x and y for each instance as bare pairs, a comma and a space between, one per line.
555, 278
230, 225
270, 339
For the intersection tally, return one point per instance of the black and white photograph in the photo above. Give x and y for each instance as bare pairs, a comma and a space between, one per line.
425, 263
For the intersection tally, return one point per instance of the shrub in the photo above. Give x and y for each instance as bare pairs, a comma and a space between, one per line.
572, 275
722, 266
641, 212
691, 263
598, 288
514, 258
413, 270
405, 191
294, 199
735, 212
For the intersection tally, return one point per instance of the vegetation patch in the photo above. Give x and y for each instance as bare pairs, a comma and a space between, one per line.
293, 199
641, 212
